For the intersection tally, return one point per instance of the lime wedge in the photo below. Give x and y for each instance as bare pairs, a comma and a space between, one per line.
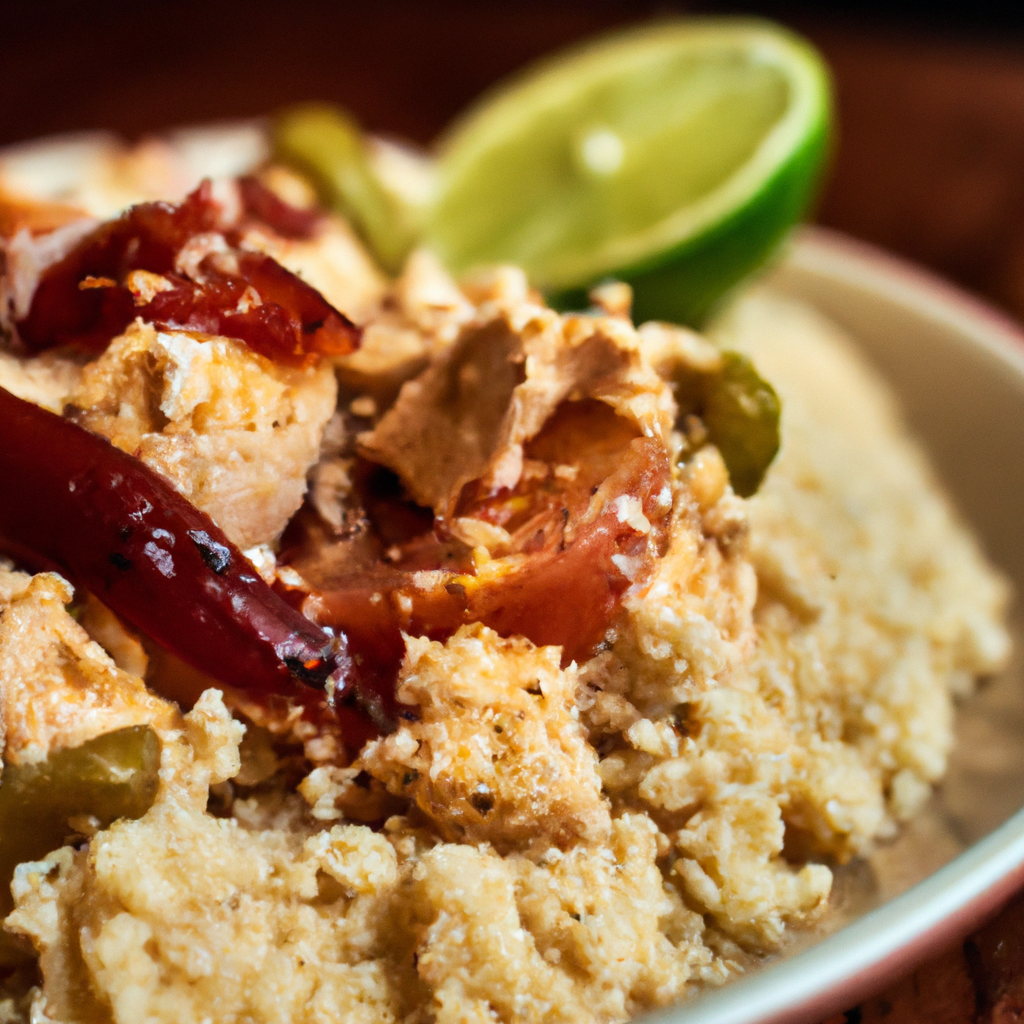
673, 157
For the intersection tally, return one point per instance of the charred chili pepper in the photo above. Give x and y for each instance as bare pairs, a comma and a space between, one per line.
73, 502
204, 282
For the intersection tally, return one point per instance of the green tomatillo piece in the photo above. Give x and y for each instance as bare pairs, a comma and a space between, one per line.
740, 411
72, 791
325, 143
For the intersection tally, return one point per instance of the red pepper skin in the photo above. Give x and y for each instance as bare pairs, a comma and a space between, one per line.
82, 299
265, 205
147, 237
72, 501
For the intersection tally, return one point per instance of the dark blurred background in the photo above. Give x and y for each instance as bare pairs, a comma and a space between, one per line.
930, 156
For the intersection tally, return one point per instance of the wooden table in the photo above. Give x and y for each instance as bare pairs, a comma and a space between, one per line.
977, 981
929, 164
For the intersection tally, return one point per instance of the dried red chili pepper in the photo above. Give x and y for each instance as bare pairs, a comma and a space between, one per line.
72, 501
84, 299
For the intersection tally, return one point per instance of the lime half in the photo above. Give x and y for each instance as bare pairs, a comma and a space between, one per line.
673, 157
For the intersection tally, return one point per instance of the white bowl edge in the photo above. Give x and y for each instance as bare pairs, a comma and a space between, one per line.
843, 277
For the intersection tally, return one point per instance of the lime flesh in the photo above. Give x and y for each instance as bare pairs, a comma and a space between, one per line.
673, 157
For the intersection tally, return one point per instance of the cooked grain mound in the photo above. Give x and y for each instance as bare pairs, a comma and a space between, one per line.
876, 607
788, 680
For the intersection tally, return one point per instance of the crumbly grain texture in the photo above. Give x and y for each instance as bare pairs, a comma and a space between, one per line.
181, 916
805, 724
876, 606
497, 754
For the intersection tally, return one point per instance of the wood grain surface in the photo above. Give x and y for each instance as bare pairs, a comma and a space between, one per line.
977, 981
929, 163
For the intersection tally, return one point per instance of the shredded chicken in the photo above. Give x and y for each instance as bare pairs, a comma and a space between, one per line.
233, 432
46, 380
494, 390
58, 687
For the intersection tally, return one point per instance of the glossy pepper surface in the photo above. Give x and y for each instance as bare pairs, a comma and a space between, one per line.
71, 501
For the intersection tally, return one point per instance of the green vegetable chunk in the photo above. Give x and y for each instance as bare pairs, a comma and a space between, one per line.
740, 410
325, 143
112, 776
673, 156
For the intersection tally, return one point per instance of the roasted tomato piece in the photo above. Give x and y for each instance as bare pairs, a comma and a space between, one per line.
585, 523
192, 277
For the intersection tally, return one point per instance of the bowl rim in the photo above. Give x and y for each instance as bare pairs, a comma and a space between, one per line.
861, 958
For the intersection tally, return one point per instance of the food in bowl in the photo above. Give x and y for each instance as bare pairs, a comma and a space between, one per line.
586, 694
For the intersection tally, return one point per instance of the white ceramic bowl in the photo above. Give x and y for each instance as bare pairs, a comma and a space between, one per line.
958, 367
